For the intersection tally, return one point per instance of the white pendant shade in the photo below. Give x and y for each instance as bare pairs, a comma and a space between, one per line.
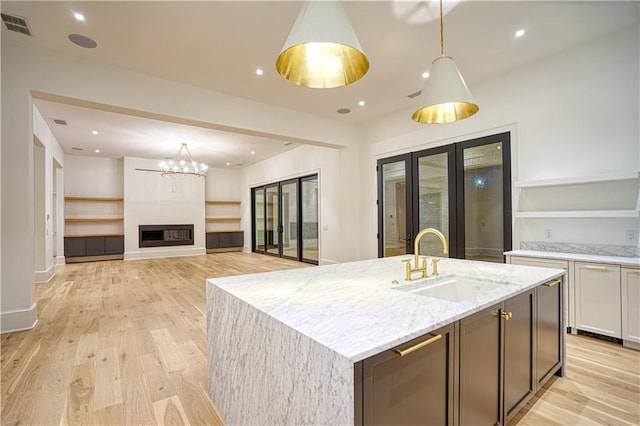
445, 97
322, 50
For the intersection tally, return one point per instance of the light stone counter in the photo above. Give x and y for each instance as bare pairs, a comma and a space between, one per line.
282, 345
633, 262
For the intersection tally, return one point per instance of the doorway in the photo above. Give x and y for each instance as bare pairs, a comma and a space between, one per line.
285, 219
463, 190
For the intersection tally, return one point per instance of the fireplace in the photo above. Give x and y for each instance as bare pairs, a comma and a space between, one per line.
165, 235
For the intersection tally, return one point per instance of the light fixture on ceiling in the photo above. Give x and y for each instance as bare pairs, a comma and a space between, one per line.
322, 50
78, 16
445, 97
183, 165
519, 33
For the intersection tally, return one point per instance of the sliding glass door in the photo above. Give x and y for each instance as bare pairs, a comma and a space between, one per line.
463, 190
285, 219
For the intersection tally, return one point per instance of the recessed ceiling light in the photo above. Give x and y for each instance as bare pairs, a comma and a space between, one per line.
95, 132
519, 33
228, 164
253, 153
97, 150
259, 71
78, 16
425, 74
361, 103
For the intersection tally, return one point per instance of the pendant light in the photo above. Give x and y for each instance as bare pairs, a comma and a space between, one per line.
445, 97
322, 50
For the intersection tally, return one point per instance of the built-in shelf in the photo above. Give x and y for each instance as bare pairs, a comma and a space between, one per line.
92, 219
234, 203
96, 199
578, 180
223, 219
92, 235
579, 214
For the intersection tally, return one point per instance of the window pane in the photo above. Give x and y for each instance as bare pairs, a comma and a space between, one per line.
290, 219
259, 219
433, 208
394, 208
483, 203
310, 219
272, 220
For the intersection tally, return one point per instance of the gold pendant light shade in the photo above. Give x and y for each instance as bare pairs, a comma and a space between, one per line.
322, 50
445, 97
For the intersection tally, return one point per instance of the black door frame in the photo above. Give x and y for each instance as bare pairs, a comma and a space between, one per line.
408, 163
279, 228
455, 163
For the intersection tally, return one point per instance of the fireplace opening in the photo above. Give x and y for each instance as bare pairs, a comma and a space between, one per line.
165, 235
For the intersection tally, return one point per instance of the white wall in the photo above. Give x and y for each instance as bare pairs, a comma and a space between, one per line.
150, 199
571, 114
53, 154
223, 184
27, 69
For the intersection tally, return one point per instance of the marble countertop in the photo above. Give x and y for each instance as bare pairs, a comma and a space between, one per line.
352, 308
616, 260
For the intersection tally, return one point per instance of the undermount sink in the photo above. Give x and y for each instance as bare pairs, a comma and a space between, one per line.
451, 288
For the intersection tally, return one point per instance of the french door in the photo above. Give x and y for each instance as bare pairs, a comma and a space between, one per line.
285, 219
463, 190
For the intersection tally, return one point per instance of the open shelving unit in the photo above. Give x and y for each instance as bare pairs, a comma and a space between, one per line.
578, 202
94, 228
223, 226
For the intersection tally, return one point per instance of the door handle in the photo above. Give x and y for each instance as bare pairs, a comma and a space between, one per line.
420, 345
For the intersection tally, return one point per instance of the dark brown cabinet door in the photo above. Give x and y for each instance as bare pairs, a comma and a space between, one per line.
480, 358
518, 351
549, 330
415, 388
95, 246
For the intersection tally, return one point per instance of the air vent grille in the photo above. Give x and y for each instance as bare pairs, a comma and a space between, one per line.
59, 121
415, 94
16, 23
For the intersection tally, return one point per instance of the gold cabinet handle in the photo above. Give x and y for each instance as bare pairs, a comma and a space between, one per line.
552, 283
597, 268
420, 345
502, 314
506, 315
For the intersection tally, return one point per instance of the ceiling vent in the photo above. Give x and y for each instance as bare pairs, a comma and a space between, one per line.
415, 94
17, 24
59, 121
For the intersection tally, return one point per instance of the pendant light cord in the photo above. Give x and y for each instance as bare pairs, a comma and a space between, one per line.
441, 32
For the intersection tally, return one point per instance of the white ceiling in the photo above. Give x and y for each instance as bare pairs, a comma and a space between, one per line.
218, 45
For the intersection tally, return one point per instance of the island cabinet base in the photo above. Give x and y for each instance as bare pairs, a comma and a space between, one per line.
412, 384
480, 370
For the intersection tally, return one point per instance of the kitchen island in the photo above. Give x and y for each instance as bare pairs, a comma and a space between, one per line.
292, 347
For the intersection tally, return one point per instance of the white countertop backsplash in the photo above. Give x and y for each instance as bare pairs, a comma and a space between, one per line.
352, 309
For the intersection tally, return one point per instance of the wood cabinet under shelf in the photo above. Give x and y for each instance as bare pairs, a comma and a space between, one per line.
94, 228
631, 307
598, 299
223, 232
481, 369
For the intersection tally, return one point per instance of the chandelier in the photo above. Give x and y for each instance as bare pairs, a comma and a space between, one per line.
183, 165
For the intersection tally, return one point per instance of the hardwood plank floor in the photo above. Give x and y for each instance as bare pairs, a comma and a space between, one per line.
119, 343
124, 343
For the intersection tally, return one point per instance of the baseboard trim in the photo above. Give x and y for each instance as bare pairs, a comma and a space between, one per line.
81, 259
328, 262
43, 276
158, 254
223, 250
60, 261
18, 320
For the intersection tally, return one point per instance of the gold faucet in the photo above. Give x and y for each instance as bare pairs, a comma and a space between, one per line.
416, 249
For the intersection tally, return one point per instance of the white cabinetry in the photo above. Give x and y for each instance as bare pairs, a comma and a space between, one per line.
598, 298
631, 307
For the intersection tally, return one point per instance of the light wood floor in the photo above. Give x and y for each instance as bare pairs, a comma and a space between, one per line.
124, 343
